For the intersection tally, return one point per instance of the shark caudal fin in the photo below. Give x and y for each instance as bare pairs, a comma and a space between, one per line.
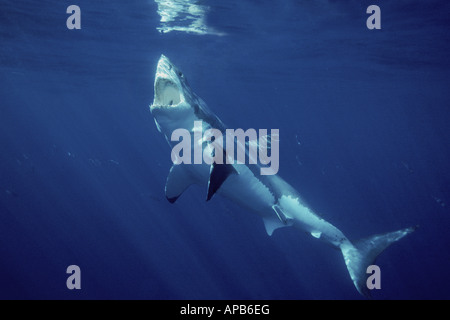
362, 253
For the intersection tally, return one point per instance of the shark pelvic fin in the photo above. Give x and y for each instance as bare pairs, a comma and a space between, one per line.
177, 182
272, 224
279, 220
217, 176
280, 214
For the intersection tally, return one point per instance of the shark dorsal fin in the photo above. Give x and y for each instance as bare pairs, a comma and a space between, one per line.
177, 182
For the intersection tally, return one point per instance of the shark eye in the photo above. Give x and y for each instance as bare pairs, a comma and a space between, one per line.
180, 74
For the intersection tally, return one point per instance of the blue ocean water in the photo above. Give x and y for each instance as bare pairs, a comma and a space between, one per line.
364, 137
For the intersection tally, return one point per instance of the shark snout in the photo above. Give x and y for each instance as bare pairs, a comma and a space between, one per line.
164, 66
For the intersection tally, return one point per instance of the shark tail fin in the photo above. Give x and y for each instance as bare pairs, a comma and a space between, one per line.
362, 253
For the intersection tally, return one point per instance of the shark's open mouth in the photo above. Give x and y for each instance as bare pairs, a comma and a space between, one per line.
166, 93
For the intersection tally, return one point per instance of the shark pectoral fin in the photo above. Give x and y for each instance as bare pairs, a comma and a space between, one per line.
178, 180
157, 126
272, 224
217, 176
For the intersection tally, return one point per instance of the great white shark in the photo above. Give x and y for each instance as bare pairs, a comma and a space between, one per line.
176, 106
